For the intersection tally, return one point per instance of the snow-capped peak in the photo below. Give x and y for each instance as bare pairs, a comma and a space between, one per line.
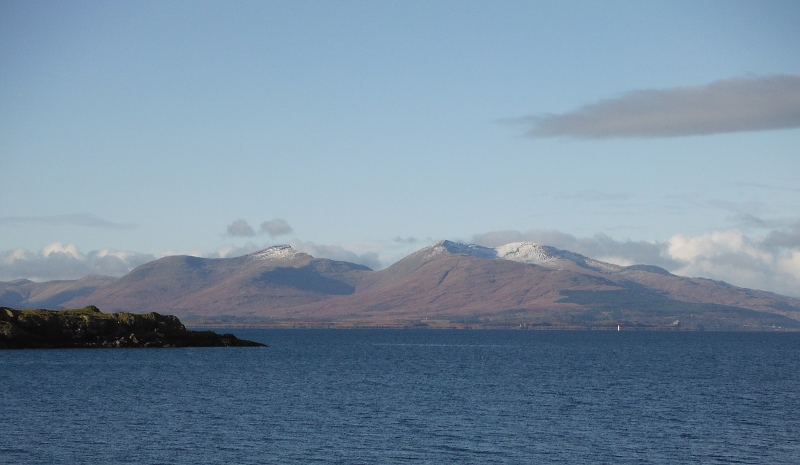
523, 252
276, 252
544, 255
468, 249
445, 247
529, 252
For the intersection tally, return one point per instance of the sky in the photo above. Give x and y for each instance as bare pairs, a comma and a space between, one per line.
664, 133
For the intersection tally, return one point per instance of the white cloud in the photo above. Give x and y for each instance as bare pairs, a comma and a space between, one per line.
790, 264
761, 263
728, 105
723, 255
770, 263
10, 256
687, 248
65, 261
68, 250
228, 251
119, 254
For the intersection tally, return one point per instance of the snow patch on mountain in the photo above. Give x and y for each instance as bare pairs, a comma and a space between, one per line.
523, 252
276, 252
469, 249
529, 252
456, 248
542, 255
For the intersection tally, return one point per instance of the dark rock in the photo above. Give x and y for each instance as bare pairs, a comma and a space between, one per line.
90, 328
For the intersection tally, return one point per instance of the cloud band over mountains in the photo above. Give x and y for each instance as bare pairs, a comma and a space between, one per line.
65, 261
770, 262
57, 260
723, 106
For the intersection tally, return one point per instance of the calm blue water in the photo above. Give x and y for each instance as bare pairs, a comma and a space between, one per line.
395, 396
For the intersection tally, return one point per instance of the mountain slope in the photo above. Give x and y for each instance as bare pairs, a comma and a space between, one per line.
446, 283
539, 285
50, 294
646, 278
258, 283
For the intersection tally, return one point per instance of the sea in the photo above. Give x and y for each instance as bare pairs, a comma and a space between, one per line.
378, 396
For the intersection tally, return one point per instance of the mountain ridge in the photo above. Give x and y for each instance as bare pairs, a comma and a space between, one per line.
522, 283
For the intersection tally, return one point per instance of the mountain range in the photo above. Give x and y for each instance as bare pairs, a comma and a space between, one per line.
447, 284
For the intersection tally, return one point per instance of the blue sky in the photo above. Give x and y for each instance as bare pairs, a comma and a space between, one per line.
635, 132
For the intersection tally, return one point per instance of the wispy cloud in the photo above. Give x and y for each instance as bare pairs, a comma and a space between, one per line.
335, 252
791, 185
79, 219
729, 105
748, 220
750, 215
598, 196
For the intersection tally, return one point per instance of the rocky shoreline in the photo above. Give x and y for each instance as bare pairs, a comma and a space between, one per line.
90, 328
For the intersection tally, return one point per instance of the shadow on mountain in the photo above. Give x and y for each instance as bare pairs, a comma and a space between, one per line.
656, 309
57, 300
305, 279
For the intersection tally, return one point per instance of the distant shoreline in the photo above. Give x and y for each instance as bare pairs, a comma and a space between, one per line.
451, 325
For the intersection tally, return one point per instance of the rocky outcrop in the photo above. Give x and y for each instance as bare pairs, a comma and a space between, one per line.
90, 328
